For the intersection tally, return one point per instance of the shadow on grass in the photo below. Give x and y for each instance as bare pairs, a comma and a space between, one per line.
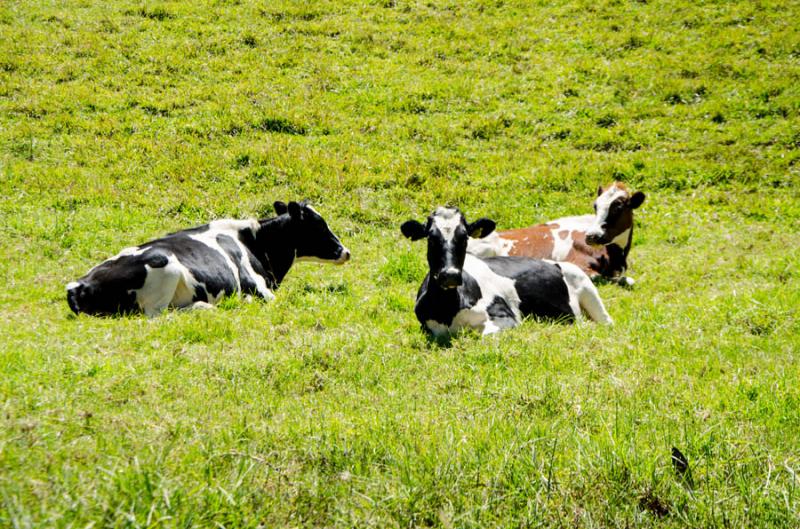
440, 342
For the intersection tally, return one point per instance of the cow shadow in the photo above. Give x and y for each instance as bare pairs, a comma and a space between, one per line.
439, 342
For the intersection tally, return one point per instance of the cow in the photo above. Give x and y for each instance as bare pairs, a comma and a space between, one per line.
197, 267
598, 243
494, 293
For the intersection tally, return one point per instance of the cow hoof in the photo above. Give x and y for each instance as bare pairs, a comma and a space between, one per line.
200, 305
626, 282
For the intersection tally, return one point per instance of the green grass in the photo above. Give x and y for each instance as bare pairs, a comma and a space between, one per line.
120, 121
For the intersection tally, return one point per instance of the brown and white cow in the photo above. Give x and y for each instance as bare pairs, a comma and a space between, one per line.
598, 243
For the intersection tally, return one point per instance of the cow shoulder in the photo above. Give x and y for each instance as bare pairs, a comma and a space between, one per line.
491, 280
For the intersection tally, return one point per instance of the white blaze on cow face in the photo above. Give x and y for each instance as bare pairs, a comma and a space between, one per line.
603, 205
447, 220
447, 247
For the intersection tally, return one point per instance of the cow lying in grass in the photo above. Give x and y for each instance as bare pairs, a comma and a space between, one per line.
598, 243
199, 266
494, 293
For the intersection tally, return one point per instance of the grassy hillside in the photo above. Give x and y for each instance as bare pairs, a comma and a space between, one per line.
120, 121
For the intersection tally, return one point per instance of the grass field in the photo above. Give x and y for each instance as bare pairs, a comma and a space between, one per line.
120, 121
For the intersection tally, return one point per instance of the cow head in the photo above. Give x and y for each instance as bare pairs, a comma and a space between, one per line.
447, 232
613, 221
313, 239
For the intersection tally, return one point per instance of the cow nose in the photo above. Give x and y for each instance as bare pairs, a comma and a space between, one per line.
594, 237
74, 293
346, 255
450, 278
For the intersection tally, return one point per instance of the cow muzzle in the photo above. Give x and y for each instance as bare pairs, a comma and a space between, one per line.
74, 291
450, 278
596, 238
344, 256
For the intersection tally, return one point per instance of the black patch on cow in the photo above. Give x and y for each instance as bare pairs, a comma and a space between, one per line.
616, 263
442, 305
500, 313
156, 259
539, 284
247, 283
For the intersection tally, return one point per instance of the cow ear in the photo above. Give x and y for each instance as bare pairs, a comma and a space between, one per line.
414, 230
280, 207
599, 190
636, 200
295, 210
481, 228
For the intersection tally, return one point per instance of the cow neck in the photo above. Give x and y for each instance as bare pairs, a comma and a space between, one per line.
446, 299
618, 256
276, 242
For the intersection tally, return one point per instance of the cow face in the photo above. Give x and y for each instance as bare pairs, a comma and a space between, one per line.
315, 241
613, 215
447, 232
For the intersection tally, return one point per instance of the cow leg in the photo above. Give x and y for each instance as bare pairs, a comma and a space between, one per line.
198, 305
159, 289
593, 306
583, 293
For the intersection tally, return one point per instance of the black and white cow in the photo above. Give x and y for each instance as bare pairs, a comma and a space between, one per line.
494, 293
199, 266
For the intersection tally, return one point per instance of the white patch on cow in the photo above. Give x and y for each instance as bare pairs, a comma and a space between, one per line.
209, 238
234, 225
447, 220
199, 305
170, 286
603, 203
159, 288
583, 295
561, 246
490, 246
490, 327
232, 228
73, 285
258, 279
187, 286
622, 239
575, 223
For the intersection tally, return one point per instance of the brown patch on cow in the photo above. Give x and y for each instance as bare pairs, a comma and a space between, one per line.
536, 241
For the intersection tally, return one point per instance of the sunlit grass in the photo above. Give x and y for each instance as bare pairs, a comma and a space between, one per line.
328, 406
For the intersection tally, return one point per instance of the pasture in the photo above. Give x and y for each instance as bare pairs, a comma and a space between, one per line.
328, 407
